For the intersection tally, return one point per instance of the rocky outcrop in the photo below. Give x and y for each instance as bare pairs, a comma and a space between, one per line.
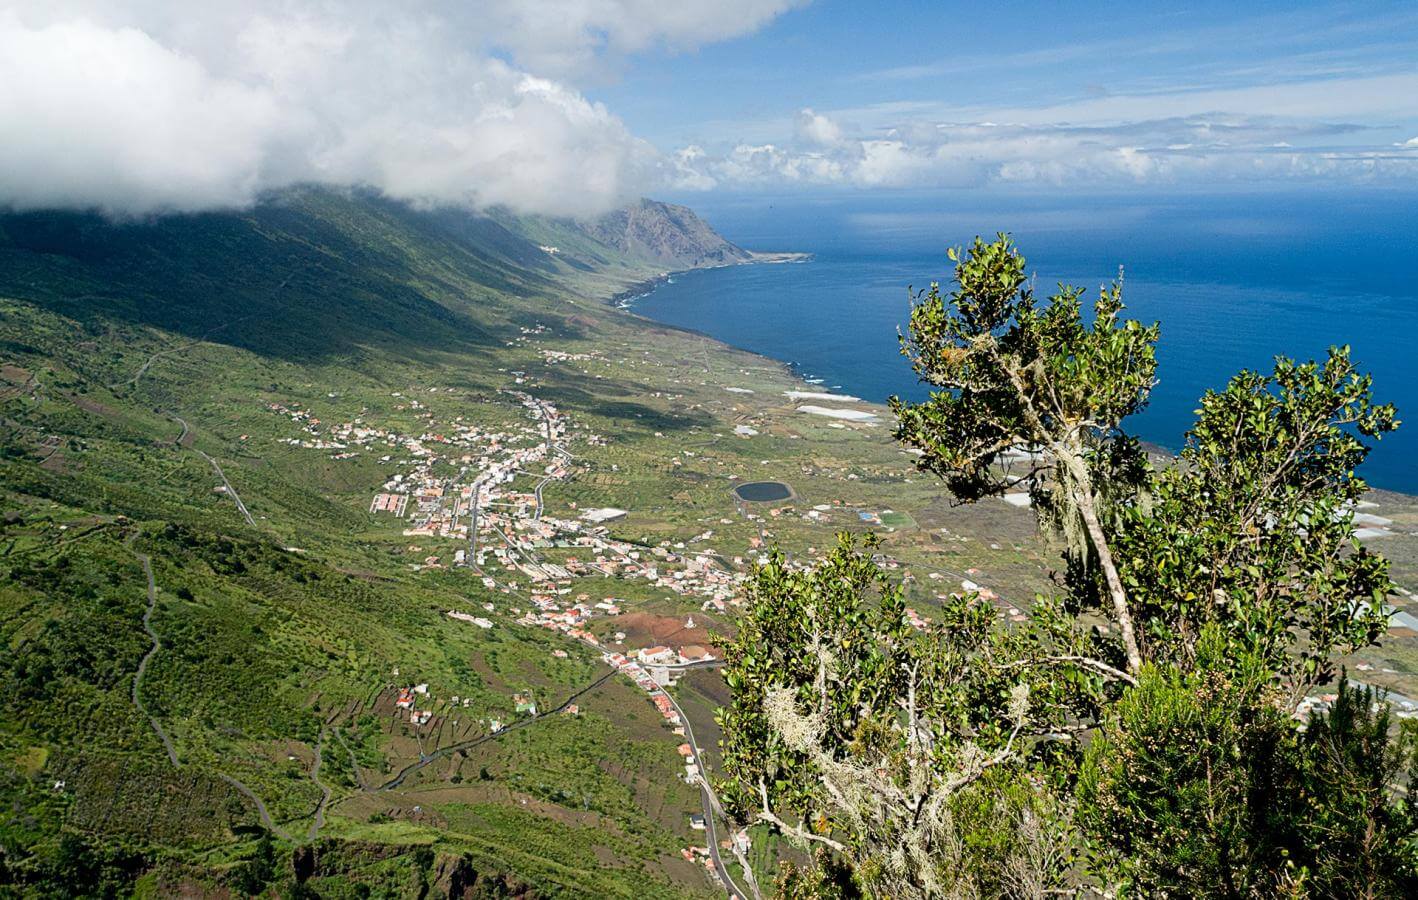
664, 234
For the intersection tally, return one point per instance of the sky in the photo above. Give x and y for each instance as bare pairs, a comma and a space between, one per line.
571, 107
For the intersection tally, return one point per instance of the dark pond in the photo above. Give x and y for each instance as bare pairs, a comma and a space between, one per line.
760, 491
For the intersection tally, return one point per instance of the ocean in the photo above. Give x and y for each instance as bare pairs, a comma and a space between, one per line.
1234, 279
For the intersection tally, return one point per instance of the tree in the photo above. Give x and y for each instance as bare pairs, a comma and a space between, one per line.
1014, 378
1201, 784
895, 750
1253, 530
1353, 836
952, 762
1176, 787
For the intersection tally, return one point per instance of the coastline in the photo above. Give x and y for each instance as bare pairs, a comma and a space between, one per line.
624, 298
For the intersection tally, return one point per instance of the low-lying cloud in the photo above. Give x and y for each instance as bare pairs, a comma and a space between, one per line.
147, 106
139, 107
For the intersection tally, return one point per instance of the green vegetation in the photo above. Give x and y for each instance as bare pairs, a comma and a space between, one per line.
238, 732
138, 357
1137, 734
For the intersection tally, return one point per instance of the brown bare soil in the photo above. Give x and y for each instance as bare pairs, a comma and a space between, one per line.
650, 630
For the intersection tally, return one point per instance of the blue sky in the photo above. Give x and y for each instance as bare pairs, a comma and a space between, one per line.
572, 107
1076, 93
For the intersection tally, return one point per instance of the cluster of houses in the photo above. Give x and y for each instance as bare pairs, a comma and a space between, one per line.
408, 700
570, 621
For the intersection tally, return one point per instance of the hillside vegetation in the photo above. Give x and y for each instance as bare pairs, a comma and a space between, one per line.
188, 695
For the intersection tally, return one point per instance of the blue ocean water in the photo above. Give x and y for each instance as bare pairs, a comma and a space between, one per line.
1234, 279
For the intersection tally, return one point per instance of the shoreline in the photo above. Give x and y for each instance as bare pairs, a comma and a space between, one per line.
624, 298
624, 301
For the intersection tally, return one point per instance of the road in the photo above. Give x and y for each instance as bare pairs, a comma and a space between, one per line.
354, 761
261, 810
472, 556
231, 491
246, 513
147, 564
318, 821
552, 446
711, 804
143, 369
708, 799
167, 744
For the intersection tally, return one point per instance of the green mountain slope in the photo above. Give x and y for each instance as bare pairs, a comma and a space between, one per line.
141, 368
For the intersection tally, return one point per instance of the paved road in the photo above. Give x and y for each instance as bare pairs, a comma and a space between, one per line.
246, 513
143, 369
261, 810
472, 556
554, 447
354, 761
319, 821
708, 799
711, 805
231, 491
147, 564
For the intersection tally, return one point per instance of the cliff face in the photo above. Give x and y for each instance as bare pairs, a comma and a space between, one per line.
664, 234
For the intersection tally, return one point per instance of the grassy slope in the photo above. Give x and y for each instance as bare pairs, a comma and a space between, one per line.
267, 654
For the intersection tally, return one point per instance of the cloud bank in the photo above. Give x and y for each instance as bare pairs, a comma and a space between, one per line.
1286, 132
1208, 149
143, 106
148, 106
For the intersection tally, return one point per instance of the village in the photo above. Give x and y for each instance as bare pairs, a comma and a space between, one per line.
459, 482
480, 488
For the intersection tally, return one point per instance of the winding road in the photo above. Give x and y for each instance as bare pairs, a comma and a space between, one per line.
318, 821
231, 491
711, 804
147, 565
710, 801
146, 562
143, 369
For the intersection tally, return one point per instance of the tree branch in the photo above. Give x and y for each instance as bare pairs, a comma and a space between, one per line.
793, 831
1086, 662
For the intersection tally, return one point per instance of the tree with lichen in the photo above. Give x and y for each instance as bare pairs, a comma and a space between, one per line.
897, 751
1012, 377
1159, 756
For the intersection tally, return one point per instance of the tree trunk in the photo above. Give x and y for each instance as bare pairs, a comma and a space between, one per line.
1121, 612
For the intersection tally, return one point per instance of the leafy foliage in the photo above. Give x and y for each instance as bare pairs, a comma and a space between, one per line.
1254, 530
952, 762
895, 748
1015, 377
1200, 784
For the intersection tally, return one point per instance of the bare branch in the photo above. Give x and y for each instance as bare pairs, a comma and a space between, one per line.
1086, 662
793, 831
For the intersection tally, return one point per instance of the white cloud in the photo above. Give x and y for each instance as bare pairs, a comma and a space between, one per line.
1049, 149
570, 36
138, 106
815, 128
111, 116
